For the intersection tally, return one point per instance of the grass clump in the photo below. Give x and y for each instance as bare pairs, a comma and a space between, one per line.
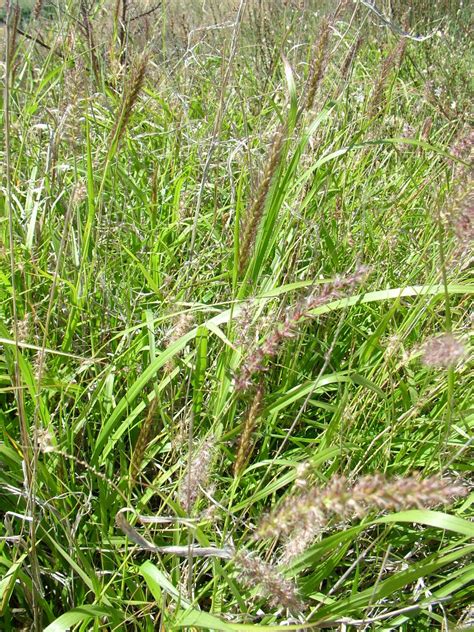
235, 316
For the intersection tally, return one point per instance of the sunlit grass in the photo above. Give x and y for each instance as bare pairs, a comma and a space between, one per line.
219, 277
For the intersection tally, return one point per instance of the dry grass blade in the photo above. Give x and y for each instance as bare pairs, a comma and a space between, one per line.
182, 551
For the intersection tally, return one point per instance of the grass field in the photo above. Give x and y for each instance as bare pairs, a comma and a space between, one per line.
235, 300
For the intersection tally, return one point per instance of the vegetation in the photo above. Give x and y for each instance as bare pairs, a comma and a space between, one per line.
234, 297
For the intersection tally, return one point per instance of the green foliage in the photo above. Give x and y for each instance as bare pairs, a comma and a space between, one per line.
124, 286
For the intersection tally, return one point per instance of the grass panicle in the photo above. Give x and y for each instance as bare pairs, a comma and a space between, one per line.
87, 29
183, 325
256, 358
14, 15
426, 129
464, 222
250, 422
391, 62
197, 476
310, 511
133, 86
37, 9
349, 59
463, 148
254, 215
443, 351
142, 441
318, 63
270, 583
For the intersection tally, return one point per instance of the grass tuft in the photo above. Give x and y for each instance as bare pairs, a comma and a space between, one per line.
235, 315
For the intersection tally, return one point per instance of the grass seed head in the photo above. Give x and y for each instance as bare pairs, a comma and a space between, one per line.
44, 440
463, 148
391, 62
426, 129
271, 584
24, 328
257, 357
255, 214
14, 14
183, 325
318, 63
302, 516
37, 8
443, 351
131, 93
351, 55
142, 441
245, 441
197, 475
464, 224
410, 492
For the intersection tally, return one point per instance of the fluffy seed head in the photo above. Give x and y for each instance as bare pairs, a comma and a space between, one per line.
302, 516
245, 441
44, 440
270, 582
256, 359
183, 325
443, 351
197, 475
318, 63
23, 328
255, 213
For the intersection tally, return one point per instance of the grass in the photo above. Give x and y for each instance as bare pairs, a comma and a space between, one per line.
235, 292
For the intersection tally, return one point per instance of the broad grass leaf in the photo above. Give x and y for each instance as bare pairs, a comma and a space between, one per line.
83, 614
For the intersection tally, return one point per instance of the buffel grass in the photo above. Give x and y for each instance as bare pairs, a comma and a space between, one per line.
235, 316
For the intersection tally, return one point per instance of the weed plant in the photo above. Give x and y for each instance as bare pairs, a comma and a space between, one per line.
235, 316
